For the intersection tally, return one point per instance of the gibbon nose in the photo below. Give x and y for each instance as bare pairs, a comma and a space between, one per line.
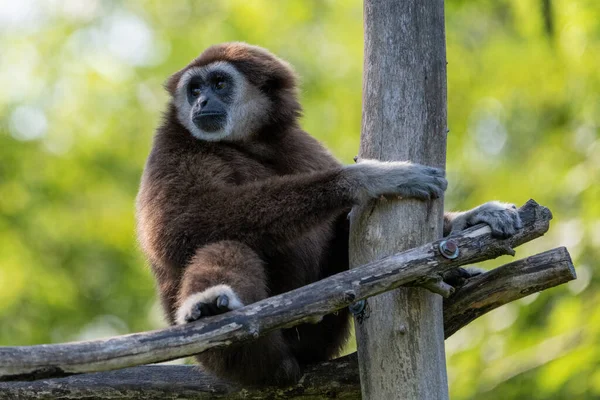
208, 106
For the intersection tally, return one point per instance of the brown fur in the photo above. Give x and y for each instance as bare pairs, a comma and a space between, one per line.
263, 215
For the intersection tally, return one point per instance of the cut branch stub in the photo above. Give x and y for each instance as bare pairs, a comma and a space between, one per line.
507, 283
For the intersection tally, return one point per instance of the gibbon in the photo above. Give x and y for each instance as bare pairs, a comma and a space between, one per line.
237, 203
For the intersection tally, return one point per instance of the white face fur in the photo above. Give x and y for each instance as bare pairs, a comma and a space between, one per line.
246, 113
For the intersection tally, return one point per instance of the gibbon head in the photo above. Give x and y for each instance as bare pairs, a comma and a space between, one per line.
232, 91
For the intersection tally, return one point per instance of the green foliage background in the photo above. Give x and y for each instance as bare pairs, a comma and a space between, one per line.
81, 94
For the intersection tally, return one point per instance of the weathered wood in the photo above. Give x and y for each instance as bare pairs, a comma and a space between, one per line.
335, 379
508, 283
401, 344
286, 310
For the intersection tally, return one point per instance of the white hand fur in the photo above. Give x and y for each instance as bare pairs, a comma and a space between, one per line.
214, 300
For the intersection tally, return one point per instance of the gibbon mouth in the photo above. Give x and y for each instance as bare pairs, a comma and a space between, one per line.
210, 121
202, 114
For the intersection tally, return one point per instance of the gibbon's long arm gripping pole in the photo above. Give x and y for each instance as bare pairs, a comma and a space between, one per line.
299, 306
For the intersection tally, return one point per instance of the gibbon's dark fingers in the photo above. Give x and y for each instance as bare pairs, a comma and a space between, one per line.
503, 219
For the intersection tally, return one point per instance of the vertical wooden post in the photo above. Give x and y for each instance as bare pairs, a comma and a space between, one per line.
400, 336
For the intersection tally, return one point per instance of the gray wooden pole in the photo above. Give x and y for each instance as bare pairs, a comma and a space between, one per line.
400, 335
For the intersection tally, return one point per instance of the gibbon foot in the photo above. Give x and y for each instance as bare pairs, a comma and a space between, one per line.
502, 218
458, 277
213, 301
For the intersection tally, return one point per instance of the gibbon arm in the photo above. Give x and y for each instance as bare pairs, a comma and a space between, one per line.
277, 209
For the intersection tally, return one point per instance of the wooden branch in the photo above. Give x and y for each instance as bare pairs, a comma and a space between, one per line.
283, 311
334, 379
507, 283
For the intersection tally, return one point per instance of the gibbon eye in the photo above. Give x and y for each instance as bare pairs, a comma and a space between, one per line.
220, 84
195, 89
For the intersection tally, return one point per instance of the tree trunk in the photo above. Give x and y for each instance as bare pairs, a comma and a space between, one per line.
400, 335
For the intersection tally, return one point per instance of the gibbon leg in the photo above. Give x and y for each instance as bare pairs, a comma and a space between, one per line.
225, 276
220, 277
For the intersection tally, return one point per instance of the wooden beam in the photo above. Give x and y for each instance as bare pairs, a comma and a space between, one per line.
401, 344
334, 379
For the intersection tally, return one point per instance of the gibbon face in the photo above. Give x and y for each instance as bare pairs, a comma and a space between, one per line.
232, 91
216, 102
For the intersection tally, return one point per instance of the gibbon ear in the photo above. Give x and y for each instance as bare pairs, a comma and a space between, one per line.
171, 84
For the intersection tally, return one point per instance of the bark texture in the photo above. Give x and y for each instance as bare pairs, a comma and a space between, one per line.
337, 379
401, 343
